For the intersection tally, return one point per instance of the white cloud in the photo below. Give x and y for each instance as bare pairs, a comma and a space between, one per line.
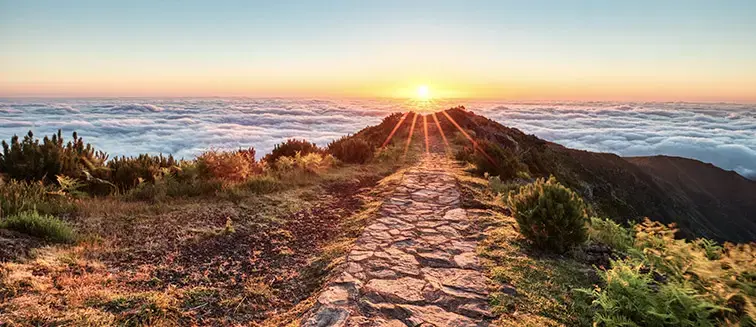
721, 134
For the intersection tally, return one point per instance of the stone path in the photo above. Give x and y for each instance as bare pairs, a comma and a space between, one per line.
415, 265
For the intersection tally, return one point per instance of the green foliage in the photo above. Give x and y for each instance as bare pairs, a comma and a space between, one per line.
20, 196
289, 149
128, 172
550, 215
30, 160
711, 248
674, 282
489, 157
309, 163
351, 149
631, 297
610, 233
504, 189
43, 226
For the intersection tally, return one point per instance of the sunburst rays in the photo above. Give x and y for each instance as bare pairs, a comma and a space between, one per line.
442, 133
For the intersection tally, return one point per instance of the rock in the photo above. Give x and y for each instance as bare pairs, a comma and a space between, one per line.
461, 279
328, 317
434, 316
334, 295
402, 290
467, 260
508, 289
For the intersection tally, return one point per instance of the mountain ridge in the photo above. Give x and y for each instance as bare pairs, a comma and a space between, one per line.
631, 188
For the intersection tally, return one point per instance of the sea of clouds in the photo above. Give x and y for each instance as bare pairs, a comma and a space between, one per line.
721, 134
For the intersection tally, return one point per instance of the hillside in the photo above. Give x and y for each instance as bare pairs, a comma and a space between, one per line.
727, 198
705, 201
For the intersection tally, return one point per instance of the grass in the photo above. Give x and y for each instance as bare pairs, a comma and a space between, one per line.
43, 226
532, 288
249, 252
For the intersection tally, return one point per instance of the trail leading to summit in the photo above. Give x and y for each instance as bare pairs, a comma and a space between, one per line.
414, 265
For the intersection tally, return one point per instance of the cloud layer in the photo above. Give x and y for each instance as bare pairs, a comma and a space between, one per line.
722, 134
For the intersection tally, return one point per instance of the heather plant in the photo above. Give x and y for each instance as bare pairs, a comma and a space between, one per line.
289, 149
42, 226
309, 163
351, 149
549, 215
229, 166
28, 159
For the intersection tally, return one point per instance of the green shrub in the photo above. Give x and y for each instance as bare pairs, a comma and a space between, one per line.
489, 157
289, 149
43, 226
128, 172
610, 233
504, 189
550, 215
20, 196
351, 149
630, 296
31, 160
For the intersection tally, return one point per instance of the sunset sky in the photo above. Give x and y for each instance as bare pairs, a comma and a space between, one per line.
571, 50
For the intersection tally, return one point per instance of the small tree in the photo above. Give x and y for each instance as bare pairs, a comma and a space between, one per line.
550, 215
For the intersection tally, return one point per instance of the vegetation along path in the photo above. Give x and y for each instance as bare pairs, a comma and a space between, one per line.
415, 265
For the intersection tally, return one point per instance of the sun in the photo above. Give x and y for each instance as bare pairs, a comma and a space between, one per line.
423, 93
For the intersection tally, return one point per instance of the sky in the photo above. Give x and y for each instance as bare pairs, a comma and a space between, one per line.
514, 50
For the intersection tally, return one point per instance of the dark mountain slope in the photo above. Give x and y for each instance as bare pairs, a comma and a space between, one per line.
725, 197
624, 190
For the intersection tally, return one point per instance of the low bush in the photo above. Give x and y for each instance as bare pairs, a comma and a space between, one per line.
504, 189
42, 226
610, 233
351, 149
289, 149
309, 163
549, 215
20, 196
128, 172
231, 166
489, 157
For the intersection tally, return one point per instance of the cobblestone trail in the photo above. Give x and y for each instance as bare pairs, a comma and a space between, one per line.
415, 265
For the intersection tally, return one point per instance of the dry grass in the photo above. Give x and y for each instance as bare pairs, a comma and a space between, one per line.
243, 256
